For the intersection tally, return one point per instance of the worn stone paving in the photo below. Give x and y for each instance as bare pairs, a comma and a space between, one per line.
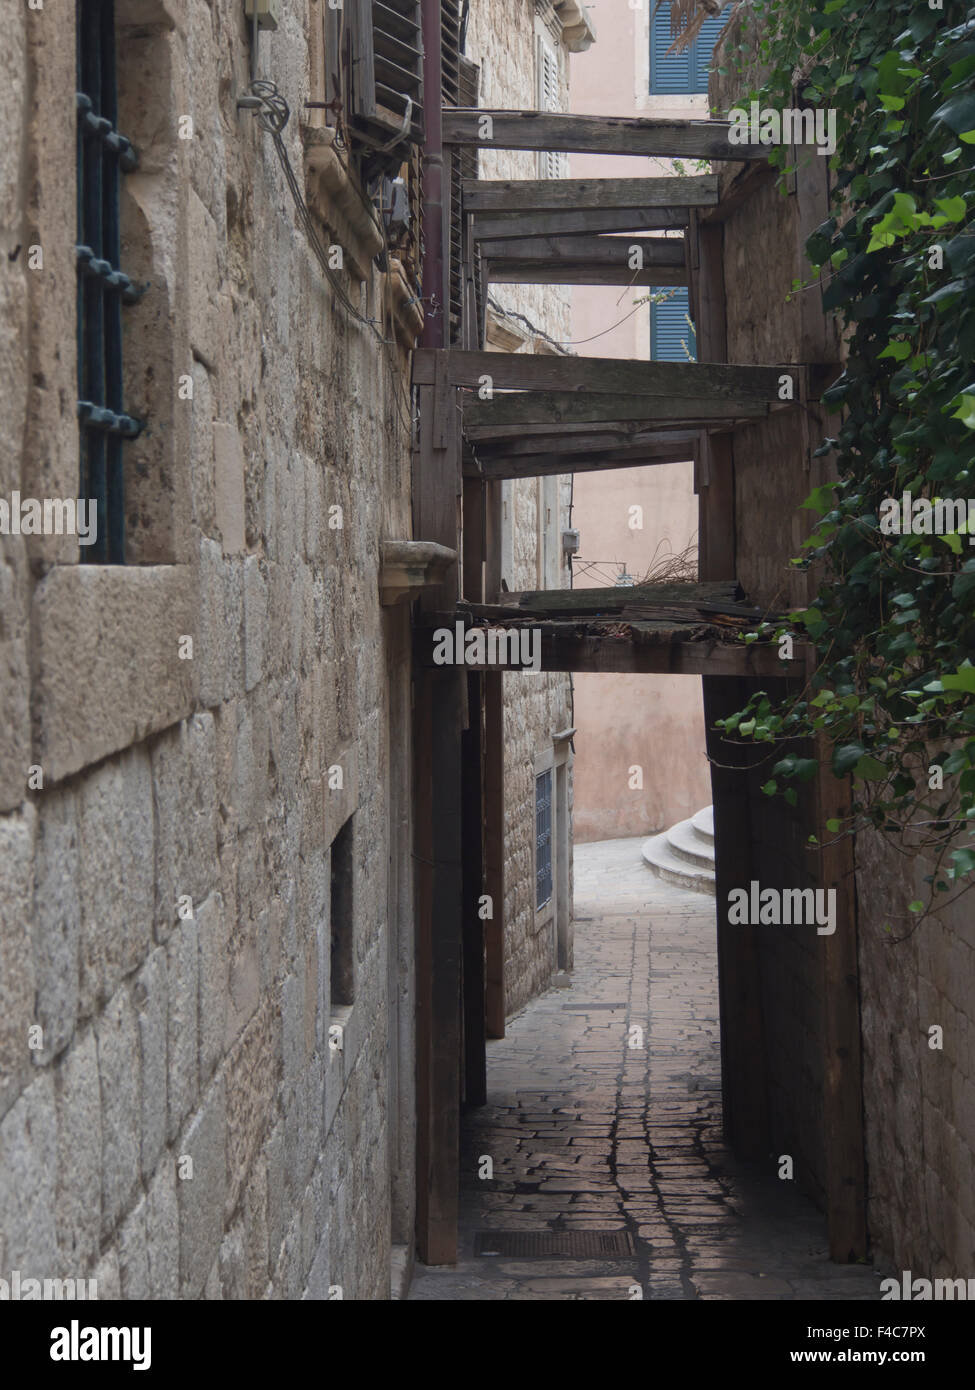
588, 1133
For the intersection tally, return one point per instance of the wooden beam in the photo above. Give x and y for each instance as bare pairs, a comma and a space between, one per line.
543, 465
608, 441
626, 135
494, 751
566, 195
539, 272
532, 372
573, 407
586, 260
595, 653
497, 226
589, 250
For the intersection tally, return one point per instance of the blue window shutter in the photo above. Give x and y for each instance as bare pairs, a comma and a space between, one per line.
669, 330
680, 74
670, 75
702, 49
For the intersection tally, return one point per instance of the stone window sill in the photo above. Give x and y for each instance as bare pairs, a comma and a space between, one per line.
333, 194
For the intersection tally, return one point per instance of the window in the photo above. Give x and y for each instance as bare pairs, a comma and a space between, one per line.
102, 156
386, 65
678, 74
543, 839
341, 918
671, 329
550, 165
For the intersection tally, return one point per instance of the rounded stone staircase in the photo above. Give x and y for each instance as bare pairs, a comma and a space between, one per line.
684, 854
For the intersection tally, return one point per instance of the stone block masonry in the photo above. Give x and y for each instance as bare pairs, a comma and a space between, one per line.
172, 1120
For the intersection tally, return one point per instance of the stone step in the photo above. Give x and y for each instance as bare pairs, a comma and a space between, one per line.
659, 855
688, 843
703, 822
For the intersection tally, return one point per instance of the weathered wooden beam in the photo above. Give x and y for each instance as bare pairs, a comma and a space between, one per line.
586, 260
546, 465
589, 250
565, 195
497, 226
538, 272
709, 382
626, 135
574, 407
616, 654
604, 442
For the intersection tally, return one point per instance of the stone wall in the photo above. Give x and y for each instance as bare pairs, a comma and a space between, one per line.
919, 1101
165, 902
501, 39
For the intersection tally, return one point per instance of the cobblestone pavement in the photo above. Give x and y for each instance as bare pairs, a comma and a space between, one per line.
589, 1134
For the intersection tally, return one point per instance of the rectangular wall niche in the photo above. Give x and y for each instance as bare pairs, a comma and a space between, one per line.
341, 917
543, 839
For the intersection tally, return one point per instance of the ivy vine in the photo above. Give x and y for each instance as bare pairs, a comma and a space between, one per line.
893, 620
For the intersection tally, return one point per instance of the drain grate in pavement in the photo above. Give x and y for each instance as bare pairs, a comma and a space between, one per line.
588, 1008
539, 1245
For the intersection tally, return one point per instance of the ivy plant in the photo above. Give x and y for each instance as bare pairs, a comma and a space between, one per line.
893, 620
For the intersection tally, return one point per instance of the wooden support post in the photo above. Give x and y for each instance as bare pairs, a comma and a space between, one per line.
475, 1058
743, 1070
438, 721
494, 851
843, 1079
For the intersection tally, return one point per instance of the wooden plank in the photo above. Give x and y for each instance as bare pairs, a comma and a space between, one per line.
608, 441
588, 250
556, 407
595, 653
494, 747
549, 438
536, 272
497, 226
549, 465
609, 599
628, 135
566, 195
532, 372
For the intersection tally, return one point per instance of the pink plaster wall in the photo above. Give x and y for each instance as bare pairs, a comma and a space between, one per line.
655, 722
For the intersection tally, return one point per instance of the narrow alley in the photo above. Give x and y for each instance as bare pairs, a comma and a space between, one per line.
574, 1113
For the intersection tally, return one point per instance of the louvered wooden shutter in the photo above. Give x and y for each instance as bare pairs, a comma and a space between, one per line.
387, 71
551, 165
450, 65
670, 330
680, 74
473, 295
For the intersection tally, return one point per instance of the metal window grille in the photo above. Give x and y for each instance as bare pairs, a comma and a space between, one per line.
543, 839
680, 74
671, 329
102, 156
